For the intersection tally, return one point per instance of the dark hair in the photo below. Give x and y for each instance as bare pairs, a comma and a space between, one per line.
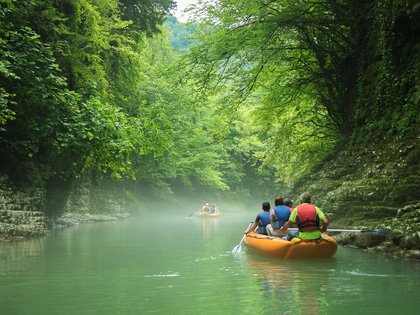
288, 202
266, 205
278, 201
305, 198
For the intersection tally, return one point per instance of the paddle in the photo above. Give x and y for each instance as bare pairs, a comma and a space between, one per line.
238, 248
374, 232
194, 213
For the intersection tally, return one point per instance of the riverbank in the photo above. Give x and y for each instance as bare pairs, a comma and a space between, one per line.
29, 209
402, 242
25, 225
385, 246
71, 219
23, 215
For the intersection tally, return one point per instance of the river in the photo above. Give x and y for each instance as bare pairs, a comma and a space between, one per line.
172, 264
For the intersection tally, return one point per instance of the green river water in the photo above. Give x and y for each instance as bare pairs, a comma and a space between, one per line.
170, 264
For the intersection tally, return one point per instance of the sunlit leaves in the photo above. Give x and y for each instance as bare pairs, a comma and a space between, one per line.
77, 129
284, 59
89, 95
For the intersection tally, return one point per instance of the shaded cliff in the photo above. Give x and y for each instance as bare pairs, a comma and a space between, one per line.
373, 176
367, 183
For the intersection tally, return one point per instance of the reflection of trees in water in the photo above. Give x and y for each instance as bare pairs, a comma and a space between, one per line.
294, 286
18, 256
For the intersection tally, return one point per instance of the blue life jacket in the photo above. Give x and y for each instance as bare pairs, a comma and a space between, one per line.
281, 216
264, 220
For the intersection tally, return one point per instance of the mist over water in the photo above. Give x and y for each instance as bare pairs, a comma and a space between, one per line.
184, 203
168, 262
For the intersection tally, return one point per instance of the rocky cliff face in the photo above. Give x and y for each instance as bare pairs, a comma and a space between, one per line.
21, 210
32, 207
376, 185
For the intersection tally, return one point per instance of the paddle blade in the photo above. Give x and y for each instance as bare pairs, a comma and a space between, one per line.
237, 249
378, 232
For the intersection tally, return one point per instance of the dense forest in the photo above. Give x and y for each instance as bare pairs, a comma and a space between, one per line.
253, 99
95, 89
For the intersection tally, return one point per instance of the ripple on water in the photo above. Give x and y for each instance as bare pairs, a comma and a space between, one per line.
176, 274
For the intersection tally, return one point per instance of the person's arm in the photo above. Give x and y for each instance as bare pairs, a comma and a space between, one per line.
271, 215
284, 228
252, 228
324, 225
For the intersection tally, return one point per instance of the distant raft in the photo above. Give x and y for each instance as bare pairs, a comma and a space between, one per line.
275, 247
207, 215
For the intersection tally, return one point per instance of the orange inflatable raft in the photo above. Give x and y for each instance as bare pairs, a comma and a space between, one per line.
275, 247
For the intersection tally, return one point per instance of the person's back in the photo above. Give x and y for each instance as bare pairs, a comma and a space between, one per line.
289, 202
308, 218
206, 208
278, 217
212, 209
281, 216
262, 219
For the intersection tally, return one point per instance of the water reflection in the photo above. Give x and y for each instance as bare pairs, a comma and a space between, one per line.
298, 287
209, 226
16, 256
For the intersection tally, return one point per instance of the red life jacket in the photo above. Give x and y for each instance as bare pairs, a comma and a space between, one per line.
294, 223
307, 218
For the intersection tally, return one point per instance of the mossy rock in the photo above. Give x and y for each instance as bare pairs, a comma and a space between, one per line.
411, 241
407, 189
362, 240
367, 212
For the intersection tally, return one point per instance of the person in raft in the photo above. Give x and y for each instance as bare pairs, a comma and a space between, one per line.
206, 208
289, 202
262, 219
278, 217
213, 209
307, 218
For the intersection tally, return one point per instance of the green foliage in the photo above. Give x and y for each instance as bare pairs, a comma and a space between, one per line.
90, 92
243, 148
80, 129
53, 122
183, 150
388, 99
180, 34
287, 61
298, 139
145, 15
5, 112
38, 102
317, 73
